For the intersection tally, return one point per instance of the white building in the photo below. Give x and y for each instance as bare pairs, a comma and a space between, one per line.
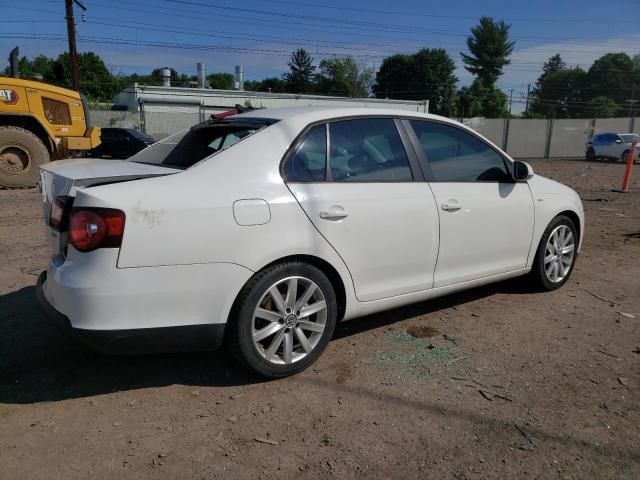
164, 110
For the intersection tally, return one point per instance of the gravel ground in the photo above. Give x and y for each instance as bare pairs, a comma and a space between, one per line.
536, 385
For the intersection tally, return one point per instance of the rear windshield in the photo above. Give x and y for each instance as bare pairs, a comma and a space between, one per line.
200, 141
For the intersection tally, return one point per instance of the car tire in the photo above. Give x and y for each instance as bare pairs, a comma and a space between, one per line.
624, 155
561, 234
591, 154
278, 338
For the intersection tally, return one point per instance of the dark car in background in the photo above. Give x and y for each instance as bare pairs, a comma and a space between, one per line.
120, 143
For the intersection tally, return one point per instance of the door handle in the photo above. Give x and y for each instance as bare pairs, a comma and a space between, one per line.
450, 207
335, 212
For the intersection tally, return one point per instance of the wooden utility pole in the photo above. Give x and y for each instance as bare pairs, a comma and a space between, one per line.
71, 34
505, 140
526, 105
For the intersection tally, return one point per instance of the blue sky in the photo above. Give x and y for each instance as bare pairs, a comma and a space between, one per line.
138, 36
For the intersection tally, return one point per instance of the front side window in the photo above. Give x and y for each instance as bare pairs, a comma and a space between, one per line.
367, 150
630, 138
56, 113
457, 156
308, 162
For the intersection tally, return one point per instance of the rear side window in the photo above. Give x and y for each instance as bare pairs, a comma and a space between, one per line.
56, 113
367, 150
308, 161
457, 156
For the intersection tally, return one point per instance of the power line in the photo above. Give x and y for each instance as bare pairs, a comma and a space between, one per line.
432, 15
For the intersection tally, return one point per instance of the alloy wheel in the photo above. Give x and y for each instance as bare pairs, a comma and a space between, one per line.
558, 255
289, 320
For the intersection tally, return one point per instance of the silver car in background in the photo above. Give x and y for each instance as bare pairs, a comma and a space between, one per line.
612, 146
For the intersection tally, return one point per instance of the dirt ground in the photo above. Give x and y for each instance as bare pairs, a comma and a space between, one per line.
535, 385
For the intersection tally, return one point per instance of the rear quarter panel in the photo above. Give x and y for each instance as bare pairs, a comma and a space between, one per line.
188, 218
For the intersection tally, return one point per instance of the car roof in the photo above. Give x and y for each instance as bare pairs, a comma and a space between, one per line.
307, 115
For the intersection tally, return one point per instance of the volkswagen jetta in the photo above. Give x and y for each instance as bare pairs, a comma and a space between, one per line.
262, 230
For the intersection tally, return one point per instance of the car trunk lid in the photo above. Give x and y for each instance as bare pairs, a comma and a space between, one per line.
61, 180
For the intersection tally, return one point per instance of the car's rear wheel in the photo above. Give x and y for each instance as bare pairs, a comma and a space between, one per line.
556, 254
283, 319
591, 154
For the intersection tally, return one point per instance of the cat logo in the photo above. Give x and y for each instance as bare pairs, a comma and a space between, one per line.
9, 97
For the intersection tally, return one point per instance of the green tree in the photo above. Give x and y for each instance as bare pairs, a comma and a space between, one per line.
561, 94
427, 74
269, 84
479, 100
554, 64
96, 81
611, 76
602, 107
489, 47
221, 80
301, 70
344, 77
40, 65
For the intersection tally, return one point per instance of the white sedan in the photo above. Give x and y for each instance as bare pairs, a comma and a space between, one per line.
262, 230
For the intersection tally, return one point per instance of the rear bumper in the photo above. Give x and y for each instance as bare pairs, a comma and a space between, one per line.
183, 338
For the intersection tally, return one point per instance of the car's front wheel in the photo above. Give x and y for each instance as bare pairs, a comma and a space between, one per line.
283, 319
591, 154
623, 157
556, 254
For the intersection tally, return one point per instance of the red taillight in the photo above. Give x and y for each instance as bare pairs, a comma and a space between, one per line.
92, 228
59, 215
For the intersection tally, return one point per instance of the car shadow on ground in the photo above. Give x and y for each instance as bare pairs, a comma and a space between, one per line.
39, 364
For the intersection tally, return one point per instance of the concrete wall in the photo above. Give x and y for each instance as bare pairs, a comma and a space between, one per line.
101, 118
568, 138
555, 138
492, 128
528, 138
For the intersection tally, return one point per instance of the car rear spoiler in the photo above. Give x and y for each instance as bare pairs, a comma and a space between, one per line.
234, 111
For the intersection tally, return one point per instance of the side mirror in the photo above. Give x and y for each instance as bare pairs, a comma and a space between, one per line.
522, 171
618, 141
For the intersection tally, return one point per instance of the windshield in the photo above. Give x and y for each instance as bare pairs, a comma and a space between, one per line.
630, 138
187, 148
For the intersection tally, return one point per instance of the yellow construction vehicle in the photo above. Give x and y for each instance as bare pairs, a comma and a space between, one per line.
39, 123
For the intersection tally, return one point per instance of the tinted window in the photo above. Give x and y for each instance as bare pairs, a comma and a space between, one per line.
106, 135
308, 162
457, 156
57, 113
119, 136
367, 150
